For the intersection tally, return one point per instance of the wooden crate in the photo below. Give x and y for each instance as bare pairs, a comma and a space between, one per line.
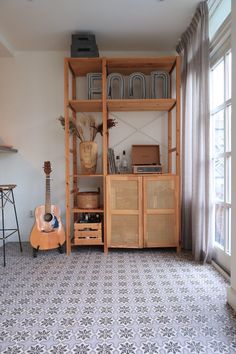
88, 233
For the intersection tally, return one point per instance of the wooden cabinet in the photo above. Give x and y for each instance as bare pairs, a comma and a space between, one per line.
137, 210
142, 211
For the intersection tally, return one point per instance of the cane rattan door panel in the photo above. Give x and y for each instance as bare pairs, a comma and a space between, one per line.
124, 211
160, 211
125, 230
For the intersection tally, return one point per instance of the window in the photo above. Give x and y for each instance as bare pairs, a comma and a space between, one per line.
220, 122
221, 148
219, 11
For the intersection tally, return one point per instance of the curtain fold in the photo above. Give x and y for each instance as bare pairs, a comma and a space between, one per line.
195, 145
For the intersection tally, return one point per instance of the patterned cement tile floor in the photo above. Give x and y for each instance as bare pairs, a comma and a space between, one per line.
129, 301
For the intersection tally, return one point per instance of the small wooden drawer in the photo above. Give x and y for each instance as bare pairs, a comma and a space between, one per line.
88, 233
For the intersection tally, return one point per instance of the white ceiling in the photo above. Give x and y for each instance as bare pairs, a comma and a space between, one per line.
134, 25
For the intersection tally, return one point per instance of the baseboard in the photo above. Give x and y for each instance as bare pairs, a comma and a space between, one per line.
221, 270
231, 297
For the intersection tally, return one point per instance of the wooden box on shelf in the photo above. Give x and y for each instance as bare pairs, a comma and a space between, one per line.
145, 155
87, 233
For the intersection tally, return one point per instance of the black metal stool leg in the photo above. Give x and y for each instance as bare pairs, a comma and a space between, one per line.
3, 231
13, 200
7, 196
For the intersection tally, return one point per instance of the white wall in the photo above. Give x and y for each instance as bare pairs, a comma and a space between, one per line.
232, 289
31, 99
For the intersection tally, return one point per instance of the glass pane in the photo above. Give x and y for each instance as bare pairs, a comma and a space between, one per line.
219, 225
219, 179
218, 121
229, 74
217, 89
218, 16
228, 125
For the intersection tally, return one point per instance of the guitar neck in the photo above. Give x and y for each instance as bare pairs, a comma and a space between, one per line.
48, 195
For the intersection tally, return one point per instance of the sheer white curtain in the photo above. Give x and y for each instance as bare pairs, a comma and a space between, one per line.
196, 205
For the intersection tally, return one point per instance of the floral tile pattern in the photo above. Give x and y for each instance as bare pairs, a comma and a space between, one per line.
128, 302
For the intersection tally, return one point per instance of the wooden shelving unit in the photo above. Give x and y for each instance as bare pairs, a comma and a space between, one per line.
140, 217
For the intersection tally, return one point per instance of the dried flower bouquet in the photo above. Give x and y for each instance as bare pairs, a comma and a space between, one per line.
87, 123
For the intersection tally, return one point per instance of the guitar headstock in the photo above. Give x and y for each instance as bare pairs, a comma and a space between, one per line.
47, 167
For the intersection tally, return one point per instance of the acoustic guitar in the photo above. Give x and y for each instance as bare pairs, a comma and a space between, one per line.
48, 232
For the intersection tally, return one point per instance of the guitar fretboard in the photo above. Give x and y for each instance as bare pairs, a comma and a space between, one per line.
48, 195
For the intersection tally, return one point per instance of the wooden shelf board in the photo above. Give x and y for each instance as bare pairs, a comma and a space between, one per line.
88, 243
85, 176
86, 105
118, 175
152, 104
77, 210
141, 105
83, 66
126, 66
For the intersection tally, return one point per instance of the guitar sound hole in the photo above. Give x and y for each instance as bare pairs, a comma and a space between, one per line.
48, 217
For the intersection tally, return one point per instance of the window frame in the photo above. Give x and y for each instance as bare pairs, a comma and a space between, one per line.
220, 47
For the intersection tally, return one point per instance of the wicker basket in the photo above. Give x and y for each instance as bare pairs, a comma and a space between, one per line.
88, 200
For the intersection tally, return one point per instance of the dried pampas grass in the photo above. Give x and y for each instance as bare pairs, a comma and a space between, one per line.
87, 123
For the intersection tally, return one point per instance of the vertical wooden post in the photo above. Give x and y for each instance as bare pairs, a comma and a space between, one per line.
178, 147
104, 147
104, 114
178, 84
169, 141
75, 180
170, 127
67, 153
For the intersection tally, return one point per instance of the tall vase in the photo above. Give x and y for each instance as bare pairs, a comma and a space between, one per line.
88, 151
